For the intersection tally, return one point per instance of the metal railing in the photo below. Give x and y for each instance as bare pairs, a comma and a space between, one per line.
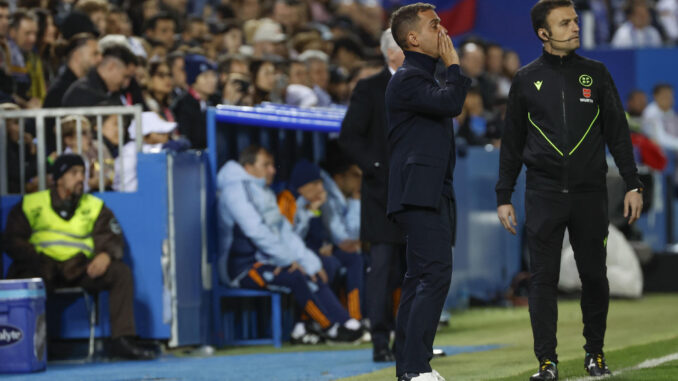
40, 115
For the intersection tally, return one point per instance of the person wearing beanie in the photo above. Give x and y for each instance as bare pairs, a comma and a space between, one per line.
71, 239
303, 203
191, 107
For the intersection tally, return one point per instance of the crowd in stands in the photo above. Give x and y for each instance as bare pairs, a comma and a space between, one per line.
633, 23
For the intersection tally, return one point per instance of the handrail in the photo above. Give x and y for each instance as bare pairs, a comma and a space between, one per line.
56, 113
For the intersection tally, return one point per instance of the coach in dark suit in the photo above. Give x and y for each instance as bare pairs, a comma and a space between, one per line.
419, 110
363, 139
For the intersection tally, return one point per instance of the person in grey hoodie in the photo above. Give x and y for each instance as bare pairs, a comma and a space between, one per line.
260, 250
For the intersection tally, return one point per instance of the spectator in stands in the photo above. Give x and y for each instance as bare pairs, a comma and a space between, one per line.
70, 238
190, 109
76, 22
267, 39
637, 31
195, 31
668, 17
81, 54
96, 10
24, 63
635, 105
4, 30
44, 46
473, 120
161, 28
159, 89
510, 66
103, 82
259, 249
494, 64
339, 86
263, 73
13, 156
118, 23
131, 92
299, 92
156, 137
232, 37
329, 230
660, 121
472, 57
88, 150
348, 53
177, 64
289, 14
318, 70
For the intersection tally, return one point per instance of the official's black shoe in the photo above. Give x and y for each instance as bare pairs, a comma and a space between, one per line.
547, 371
383, 355
595, 365
123, 347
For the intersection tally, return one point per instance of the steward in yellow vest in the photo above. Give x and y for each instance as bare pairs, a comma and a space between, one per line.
71, 239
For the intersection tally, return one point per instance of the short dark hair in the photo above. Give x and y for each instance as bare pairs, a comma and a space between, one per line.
4, 4
349, 43
633, 93
153, 21
64, 48
405, 19
661, 86
541, 10
19, 15
122, 53
248, 156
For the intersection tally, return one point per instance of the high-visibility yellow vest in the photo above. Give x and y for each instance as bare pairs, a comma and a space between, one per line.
55, 237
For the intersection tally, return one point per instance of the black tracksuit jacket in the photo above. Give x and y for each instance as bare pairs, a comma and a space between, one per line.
561, 113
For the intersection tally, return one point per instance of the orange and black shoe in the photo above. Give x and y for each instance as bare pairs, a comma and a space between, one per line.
548, 370
595, 365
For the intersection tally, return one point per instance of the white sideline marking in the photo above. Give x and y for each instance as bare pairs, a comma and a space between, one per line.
651, 363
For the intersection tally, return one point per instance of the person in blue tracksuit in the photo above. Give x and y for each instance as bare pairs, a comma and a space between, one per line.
260, 250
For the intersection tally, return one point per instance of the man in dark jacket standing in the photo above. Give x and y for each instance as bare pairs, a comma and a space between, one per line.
363, 139
419, 111
562, 110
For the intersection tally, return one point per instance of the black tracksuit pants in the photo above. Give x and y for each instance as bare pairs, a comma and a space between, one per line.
548, 214
430, 236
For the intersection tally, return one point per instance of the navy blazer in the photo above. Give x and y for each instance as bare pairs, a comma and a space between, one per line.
419, 112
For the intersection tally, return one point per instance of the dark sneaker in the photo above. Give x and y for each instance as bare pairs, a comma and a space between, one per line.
595, 365
383, 355
123, 347
547, 371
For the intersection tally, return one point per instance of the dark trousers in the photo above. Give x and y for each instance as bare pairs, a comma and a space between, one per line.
384, 277
315, 299
429, 235
353, 269
585, 217
117, 280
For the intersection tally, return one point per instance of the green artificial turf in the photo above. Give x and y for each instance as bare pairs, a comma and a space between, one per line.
637, 330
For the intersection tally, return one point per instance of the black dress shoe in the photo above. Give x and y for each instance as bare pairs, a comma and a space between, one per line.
124, 347
383, 355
